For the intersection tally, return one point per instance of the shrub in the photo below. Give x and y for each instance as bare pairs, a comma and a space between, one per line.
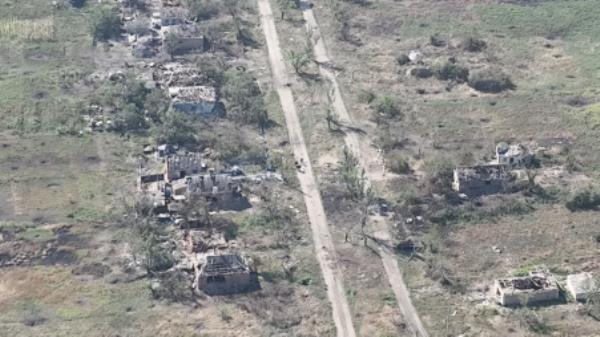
490, 80
436, 40
202, 9
387, 107
473, 45
451, 71
587, 199
421, 72
243, 98
106, 24
77, 3
398, 163
440, 173
366, 96
403, 59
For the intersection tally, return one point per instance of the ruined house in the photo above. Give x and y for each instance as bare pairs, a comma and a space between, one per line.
181, 166
513, 155
223, 191
534, 289
181, 76
581, 285
226, 274
481, 179
200, 100
170, 18
164, 150
182, 39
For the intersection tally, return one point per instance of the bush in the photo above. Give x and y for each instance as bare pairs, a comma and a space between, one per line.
243, 98
106, 24
403, 59
77, 3
398, 163
440, 174
436, 40
451, 71
491, 81
585, 200
473, 45
421, 72
366, 96
202, 9
387, 107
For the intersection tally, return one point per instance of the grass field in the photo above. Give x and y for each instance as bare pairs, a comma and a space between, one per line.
549, 50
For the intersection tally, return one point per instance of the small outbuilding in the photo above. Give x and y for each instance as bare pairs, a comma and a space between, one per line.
227, 274
482, 179
534, 289
199, 100
581, 285
513, 155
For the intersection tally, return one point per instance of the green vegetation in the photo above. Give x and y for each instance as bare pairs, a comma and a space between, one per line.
452, 71
387, 107
584, 200
244, 101
398, 163
439, 172
473, 45
298, 60
352, 176
402, 59
105, 24
490, 80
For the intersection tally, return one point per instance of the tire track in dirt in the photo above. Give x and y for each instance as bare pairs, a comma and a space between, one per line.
325, 250
353, 143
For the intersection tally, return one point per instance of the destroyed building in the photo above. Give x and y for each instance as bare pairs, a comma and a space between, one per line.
181, 166
581, 285
534, 289
482, 179
199, 100
226, 274
182, 39
222, 191
513, 155
180, 76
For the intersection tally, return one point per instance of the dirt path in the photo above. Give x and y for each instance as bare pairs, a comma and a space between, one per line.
354, 144
323, 242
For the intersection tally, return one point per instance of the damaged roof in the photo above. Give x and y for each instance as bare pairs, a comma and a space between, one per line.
193, 94
483, 172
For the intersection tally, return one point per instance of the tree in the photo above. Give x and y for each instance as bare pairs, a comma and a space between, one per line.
202, 9
171, 42
106, 24
77, 3
331, 119
353, 176
244, 100
298, 60
175, 128
287, 5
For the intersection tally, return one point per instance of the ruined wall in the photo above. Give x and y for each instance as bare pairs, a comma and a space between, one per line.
228, 283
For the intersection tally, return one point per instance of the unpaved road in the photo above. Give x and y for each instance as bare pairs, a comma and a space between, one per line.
323, 242
353, 143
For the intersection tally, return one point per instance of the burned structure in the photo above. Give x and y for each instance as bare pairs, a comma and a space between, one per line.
534, 289
199, 100
513, 155
482, 179
221, 191
181, 166
226, 274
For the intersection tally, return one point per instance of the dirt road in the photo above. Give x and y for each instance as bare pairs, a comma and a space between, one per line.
323, 242
354, 144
